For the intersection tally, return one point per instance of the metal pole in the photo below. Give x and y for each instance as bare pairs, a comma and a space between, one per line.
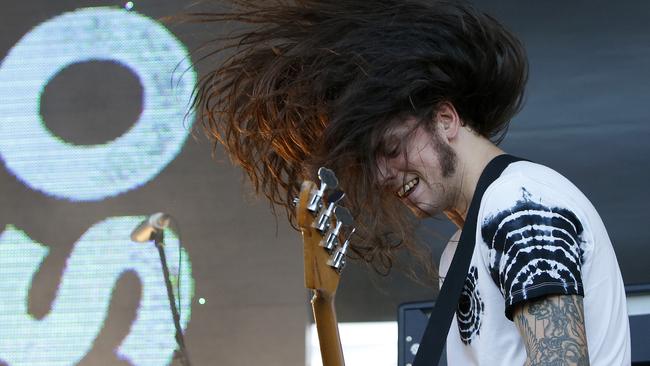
158, 238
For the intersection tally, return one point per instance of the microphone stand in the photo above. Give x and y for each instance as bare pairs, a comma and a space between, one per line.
157, 236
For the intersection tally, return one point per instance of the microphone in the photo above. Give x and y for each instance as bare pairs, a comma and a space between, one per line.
152, 229
152, 225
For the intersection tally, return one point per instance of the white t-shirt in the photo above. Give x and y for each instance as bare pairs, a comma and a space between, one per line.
537, 235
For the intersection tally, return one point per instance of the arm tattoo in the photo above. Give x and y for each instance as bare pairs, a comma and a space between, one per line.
553, 329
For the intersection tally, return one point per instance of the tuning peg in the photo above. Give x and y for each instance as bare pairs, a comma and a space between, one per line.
343, 214
335, 196
343, 217
322, 222
328, 177
327, 180
337, 260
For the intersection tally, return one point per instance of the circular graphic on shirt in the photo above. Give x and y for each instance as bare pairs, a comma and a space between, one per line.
470, 308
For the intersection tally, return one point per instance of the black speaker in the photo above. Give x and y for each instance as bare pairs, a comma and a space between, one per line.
412, 318
638, 304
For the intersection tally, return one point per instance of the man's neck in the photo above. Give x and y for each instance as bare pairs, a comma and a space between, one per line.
473, 153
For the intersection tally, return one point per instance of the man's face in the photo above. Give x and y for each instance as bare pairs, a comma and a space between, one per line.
418, 166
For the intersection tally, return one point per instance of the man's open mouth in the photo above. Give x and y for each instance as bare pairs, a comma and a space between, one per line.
407, 188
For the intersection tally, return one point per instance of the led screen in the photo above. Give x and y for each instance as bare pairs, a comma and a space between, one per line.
46, 163
96, 134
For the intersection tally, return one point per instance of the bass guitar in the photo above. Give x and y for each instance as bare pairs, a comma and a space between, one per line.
326, 228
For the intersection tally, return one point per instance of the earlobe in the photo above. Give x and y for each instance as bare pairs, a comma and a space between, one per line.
448, 119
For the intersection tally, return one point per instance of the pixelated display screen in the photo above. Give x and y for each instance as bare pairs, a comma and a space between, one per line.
63, 170
96, 134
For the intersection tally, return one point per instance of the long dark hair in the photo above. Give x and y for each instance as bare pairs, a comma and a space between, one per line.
318, 83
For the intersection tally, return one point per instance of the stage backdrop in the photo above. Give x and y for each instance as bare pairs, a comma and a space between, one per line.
95, 135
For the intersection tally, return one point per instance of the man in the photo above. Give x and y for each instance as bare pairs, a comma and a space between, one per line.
405, 100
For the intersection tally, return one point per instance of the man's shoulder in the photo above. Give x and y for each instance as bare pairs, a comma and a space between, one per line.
530, 190
531, 182
530, 173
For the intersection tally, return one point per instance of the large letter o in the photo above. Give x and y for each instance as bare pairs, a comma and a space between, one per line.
86, 173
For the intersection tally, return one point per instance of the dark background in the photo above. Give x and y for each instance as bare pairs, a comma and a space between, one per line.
586, 116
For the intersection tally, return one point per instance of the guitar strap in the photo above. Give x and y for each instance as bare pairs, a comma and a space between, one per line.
435, 334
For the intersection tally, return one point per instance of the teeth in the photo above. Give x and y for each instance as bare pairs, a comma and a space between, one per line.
406, 188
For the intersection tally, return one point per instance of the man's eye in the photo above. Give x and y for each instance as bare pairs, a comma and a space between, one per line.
391, 149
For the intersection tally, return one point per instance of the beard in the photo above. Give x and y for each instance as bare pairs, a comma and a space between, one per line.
446, 156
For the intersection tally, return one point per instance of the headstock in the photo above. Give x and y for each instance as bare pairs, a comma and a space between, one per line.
323, 224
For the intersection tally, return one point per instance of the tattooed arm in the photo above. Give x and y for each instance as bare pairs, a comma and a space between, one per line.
553, 329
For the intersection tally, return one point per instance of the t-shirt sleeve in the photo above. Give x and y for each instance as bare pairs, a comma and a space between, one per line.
532, 243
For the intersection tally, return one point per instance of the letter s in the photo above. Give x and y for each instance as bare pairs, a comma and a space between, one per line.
79, 310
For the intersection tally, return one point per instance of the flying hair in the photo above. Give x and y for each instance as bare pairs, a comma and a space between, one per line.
303, 84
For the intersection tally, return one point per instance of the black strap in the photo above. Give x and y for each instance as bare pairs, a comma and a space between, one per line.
435, 335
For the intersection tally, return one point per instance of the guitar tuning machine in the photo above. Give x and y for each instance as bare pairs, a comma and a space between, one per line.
322, 222
343, 217
327, 180
337, 260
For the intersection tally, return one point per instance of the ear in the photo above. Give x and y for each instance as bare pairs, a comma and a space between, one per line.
448, 121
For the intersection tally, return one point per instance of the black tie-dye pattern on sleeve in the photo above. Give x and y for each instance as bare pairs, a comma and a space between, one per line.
533, 250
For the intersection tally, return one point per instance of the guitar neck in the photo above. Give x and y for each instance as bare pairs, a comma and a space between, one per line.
324, 225
328, 329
